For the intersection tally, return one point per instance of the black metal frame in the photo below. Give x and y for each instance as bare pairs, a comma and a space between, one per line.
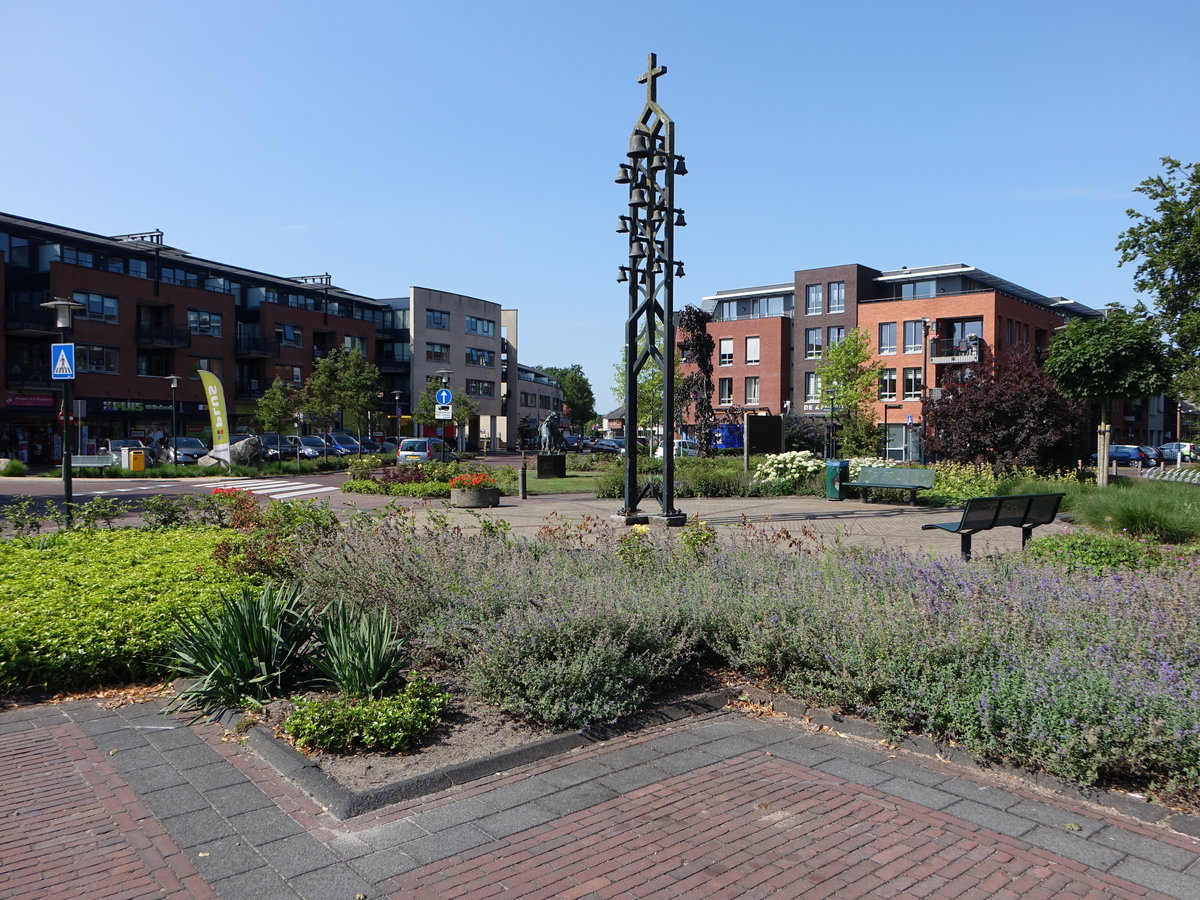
650, 174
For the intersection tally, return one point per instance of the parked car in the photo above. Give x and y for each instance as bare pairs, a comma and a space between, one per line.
311, 446
114, 445
609, 445
424, 450
182, 451
683, 447
341, 444
1125, 455
276, 446
572, 442
1178, 451
1154, 456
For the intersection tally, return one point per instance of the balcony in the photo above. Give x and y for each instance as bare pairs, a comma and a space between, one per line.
256, 348
248, 387
955, 352
391, 364
28, 321
163, 336
27, 376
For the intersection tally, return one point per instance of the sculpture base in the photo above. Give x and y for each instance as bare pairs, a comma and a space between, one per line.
674, 520
552, 465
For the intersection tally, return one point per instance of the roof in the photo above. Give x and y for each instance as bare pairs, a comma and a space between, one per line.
1057, 304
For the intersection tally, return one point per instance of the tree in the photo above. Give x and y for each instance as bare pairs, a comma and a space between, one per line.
1118, 357
578, 397
650, 391
1166, 247
463, 409
1006, 414
277, 407
343, 384
849, 387
696, 346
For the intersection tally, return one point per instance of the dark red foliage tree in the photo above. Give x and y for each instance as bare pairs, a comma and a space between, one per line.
1005, 414
695, 390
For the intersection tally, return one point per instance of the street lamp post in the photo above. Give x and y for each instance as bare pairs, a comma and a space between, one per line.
925, 323
444, 375
63, 309
174, 379
650, 171
396, 400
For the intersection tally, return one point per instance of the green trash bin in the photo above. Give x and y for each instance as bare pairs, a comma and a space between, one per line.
837, 473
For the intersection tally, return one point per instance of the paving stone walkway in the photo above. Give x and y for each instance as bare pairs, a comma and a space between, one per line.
125, 802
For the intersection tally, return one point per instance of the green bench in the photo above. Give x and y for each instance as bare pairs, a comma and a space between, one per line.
98, 461
911, 480
1024, 511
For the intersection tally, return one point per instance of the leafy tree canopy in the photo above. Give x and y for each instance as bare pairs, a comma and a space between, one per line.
1165, 244
849, 386
277, 407
578, 397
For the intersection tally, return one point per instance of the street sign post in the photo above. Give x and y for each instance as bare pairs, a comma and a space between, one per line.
62, 362
443, 411
443, 397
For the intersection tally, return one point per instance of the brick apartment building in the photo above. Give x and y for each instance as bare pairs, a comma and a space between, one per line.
150, 311
927, 326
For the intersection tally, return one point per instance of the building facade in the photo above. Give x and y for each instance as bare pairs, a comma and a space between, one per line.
926, 326
150, 311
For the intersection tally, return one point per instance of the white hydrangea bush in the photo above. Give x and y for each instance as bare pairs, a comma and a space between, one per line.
798, 465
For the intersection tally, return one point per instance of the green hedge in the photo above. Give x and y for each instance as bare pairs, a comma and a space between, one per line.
83, 608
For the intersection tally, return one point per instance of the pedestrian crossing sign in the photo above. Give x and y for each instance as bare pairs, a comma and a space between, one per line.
62, 362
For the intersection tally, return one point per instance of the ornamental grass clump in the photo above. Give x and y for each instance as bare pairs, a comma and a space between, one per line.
358, 652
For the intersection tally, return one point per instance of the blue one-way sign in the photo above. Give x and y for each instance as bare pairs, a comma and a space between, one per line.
444, 397
62, 361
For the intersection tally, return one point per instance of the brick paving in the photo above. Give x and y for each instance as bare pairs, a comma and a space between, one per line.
128, 802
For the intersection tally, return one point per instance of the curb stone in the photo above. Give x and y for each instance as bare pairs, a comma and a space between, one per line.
1126, 804
343, 803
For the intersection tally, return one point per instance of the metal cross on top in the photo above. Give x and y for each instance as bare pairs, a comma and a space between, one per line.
653, 71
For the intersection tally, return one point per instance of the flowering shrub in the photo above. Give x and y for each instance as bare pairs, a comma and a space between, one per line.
473, 480
790, 470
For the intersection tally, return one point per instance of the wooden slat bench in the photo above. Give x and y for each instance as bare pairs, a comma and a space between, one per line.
911, 480
1024, 511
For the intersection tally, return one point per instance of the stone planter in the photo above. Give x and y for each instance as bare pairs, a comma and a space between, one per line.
474, 498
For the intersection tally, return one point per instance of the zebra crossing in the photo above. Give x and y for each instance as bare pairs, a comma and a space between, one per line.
272, 487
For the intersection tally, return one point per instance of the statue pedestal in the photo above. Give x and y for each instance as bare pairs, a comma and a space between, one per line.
552, 465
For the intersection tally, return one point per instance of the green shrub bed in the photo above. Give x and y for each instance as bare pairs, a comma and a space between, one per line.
82, 608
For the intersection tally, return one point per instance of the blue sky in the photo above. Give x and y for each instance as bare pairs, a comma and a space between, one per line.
471, 146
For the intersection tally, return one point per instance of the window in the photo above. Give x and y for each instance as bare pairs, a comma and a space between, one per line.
289, 335
887, 338
544, 401
352, 342
76, 257
97, 358
812, 387
205, 364
481, 388
837, 334
201, 321
437, 352
97, 307
726, 358
171, 275
913, 333
837, 296
912, 383
812, 343
477, 357
152, 363
138, 268
528, 399
437, 318
752, 390
918, 290
483, 327
814, 300
289, 374
887, 384
752, 352
725, 391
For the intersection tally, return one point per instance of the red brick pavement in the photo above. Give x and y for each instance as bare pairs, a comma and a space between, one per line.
71, 828
755, 827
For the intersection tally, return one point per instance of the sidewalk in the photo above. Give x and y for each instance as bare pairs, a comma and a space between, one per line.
107, 803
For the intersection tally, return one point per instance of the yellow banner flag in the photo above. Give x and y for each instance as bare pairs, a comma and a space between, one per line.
214, 396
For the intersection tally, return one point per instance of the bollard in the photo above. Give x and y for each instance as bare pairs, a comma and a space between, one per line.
521, 482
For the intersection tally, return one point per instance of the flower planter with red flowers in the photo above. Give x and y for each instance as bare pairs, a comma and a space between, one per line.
475, 491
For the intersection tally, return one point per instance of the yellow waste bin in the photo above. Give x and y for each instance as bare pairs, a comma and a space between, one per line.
137, 460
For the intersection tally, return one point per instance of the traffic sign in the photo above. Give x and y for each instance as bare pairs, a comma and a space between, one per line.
444, 397
443, 411
62, 362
